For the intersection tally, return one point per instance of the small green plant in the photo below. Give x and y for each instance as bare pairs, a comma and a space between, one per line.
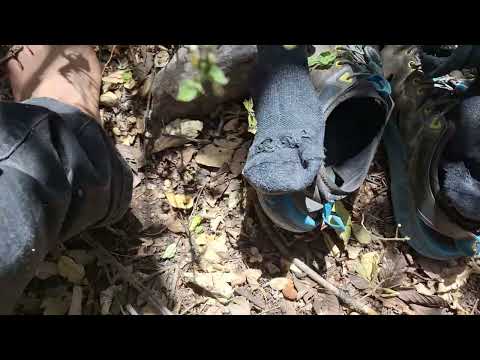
204, 61
323, 60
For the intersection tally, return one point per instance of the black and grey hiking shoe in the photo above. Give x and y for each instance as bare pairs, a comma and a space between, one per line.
356, 103
423, 123
357, 106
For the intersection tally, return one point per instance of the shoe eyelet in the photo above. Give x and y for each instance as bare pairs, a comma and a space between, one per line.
412, 65
436, 123
346, 77
427, 110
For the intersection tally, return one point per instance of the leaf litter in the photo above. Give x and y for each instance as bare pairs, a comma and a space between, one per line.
189, 156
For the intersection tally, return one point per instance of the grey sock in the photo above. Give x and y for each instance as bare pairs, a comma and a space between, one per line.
461, 161
288, 147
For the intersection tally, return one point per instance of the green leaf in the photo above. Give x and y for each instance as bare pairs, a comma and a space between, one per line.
252, 120
196, 221
170, 251
217, 75
127, 76
343, 213
361, 234
199, 230
322, 60
189, 89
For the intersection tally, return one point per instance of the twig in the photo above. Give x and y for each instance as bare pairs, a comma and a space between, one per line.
187, 309
378, 237
339, 293
130, 278
109, 59
472, 312
131, 310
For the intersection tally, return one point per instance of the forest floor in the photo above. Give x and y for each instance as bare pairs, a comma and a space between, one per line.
192, 241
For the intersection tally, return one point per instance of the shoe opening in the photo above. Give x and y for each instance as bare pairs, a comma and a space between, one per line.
351, 127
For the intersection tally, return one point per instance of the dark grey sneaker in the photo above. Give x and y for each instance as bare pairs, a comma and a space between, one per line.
357, 106
415, 140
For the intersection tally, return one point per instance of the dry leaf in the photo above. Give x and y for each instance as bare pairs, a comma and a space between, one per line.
279, 283
422, 310
184, 127
215, 222
234, 199
182, 130
109, 99
252, 276
230, 142
238, 278
454, 281
239, 306
161, 59
179, 201
187, 155
353, 251
213, 156
214, 251
413, 297
326, 304
46, 269
70, 270
422, 289
174, 224
238, 160
289, 291
359, 282
76, 304
214, 283
288, 307
170, 251
392, 272
368, 266
361, 234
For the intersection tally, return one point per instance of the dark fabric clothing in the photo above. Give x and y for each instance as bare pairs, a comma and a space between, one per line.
59, 175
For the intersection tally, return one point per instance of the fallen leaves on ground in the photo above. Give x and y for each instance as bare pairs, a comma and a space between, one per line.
179, 201
239, 306
170, 251
213, 156
216, 284
177, 133
278, 283
326, 304
70, 270
367, 267
361, 234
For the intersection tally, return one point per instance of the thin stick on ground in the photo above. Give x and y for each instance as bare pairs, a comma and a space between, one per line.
130, 278
341, 294
378, 237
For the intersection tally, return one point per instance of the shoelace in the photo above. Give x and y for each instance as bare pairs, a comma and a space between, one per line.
357, 57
